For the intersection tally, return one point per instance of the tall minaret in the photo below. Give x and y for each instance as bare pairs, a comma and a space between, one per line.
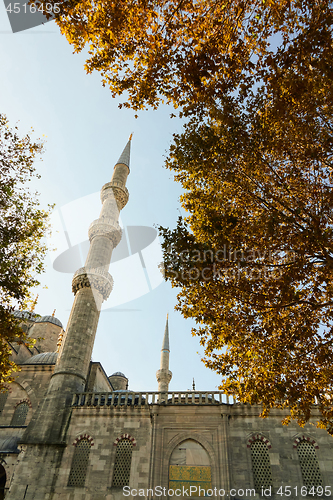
164, 375
91, 285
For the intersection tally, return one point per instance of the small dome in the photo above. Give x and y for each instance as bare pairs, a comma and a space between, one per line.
9, 445
118, 374
44, 358
49, 319
25, 315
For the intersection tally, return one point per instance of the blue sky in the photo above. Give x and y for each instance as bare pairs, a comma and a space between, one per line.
44, 86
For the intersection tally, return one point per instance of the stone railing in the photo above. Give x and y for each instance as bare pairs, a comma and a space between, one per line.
144, 399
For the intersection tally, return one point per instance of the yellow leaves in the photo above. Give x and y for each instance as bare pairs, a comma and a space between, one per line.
165, 37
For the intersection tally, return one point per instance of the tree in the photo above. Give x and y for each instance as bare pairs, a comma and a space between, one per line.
191, 54
23, 224
253, 258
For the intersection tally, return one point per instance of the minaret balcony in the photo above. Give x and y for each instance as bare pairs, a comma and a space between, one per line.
110, 229
93, 278
164, 376
116, 190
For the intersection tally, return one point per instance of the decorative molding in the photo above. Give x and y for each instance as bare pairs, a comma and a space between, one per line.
109, 229
84, 436
117, 191
258, 437
93, 278
125, 436
305, 438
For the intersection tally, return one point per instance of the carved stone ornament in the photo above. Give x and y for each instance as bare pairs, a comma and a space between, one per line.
116, 190
93, 278
111, 230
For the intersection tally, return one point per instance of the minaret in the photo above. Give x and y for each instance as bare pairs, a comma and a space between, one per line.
164, 375
91, 285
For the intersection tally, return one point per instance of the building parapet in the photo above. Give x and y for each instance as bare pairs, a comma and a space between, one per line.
139, 399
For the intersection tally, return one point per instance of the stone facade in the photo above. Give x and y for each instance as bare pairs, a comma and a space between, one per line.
70, 432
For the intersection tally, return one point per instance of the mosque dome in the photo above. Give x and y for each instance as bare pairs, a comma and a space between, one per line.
25, 315
118, 374
119, 381
44, 358
49, 319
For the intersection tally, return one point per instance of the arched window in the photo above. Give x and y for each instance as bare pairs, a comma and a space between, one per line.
309, 464
77, 475
122, 466
20, 414
2, 482
3, 399
190, 466
261, 465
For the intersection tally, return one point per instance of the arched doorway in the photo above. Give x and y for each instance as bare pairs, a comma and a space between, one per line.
189, 469
2, 482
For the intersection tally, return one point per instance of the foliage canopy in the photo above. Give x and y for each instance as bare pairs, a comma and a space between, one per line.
193, 53
23, 224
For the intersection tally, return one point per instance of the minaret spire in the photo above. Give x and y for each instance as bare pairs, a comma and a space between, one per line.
91, 285
164, 375
124, 158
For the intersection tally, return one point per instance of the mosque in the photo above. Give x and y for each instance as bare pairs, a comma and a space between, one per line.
68, 431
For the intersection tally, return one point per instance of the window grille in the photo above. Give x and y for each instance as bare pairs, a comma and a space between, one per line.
20, 414
261, 465
309, 464
122, 466
3, 399
77, 475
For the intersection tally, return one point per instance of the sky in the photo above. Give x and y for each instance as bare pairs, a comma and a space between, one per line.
43, 85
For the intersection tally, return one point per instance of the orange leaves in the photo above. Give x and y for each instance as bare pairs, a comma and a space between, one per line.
207, 45
258, 241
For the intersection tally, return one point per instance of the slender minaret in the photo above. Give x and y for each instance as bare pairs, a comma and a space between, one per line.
91, 285
164, 375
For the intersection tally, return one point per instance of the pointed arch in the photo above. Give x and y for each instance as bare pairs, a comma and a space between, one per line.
305, 438
199, 438
84, 436
123, 461
308, 461
260, 437
125, 436
20, 413
78, 472
189, 466
261, 465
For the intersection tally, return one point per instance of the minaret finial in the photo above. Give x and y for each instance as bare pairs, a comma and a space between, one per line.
166, 345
